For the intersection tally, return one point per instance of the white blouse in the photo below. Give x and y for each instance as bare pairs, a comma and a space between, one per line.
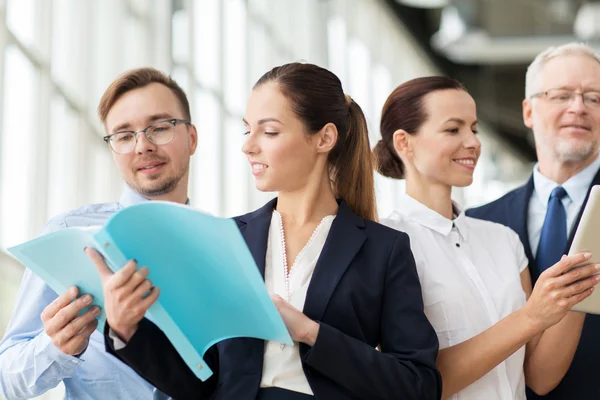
282, 366
470, 278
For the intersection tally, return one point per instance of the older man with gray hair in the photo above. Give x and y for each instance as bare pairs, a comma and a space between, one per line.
562, 108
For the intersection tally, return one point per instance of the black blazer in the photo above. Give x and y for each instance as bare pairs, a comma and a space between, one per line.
364, 292
581, 380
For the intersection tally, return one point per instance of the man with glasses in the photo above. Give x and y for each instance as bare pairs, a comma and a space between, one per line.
146, 116
562, 108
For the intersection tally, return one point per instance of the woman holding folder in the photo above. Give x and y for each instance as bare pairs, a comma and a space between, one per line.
343, 284
496, 334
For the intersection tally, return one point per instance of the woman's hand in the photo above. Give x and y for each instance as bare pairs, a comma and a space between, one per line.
559, 288
301, 328
127, 295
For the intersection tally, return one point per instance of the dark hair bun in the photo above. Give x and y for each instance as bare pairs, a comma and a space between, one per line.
388, 163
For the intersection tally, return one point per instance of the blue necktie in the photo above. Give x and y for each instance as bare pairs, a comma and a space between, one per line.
553, 241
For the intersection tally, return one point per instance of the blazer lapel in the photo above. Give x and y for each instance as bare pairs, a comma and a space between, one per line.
255, 230
344, 240
518, 220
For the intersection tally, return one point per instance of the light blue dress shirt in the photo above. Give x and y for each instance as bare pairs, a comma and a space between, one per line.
576, 187
30, 364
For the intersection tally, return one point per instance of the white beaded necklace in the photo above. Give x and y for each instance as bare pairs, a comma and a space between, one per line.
287, 273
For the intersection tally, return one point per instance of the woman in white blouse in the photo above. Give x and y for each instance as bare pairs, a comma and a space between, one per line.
342, 283
496, 334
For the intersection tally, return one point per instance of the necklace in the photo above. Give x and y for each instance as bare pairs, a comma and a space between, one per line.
287, 272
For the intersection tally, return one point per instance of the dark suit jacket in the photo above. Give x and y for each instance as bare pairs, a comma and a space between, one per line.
581, 381
364, 292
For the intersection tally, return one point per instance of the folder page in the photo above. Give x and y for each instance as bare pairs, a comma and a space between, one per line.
211, 288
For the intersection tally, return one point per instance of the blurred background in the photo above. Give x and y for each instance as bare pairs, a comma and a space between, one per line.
58, 56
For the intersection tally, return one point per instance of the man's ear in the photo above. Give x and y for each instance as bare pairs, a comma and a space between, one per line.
193, 138
527, 113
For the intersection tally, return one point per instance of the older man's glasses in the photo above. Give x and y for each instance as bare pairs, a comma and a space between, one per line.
565, 96
159, 133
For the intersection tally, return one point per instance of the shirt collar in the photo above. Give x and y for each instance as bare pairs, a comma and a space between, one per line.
460, 222
420, 213
576, 186
130, 197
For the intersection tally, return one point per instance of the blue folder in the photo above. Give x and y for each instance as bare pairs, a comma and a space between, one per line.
211, 288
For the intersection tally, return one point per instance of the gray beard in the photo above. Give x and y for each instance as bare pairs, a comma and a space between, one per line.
565, 153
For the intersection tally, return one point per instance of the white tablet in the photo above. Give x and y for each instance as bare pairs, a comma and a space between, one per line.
587, 238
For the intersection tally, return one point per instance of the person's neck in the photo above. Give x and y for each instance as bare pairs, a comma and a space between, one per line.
436, 197
307, 205
560, 172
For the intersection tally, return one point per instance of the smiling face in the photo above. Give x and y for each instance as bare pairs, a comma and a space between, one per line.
284, 157
152, 171
569, 131
445, 149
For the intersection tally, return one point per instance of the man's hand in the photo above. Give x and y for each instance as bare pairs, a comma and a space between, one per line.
69, 331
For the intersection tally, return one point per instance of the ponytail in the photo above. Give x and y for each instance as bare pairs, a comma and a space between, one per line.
353, 167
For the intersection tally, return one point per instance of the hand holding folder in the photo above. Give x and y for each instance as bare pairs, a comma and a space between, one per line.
128, 294
211, 288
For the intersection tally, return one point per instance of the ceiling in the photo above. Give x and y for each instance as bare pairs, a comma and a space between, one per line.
488, 44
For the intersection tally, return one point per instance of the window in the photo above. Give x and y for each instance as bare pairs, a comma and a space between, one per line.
63, 145
135, 52
236, 169
180, 39
207, 42
381, 88
21, 19
17, 148
235, 56
336, 35
359, 72
68, 58
207, 176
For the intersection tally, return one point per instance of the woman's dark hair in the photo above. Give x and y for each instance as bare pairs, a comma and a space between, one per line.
405, 109
317, 98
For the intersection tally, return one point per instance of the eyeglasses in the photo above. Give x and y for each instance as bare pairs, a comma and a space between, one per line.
565, 96
159, 133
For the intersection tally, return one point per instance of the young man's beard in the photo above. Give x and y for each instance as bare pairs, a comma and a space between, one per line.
159, 186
